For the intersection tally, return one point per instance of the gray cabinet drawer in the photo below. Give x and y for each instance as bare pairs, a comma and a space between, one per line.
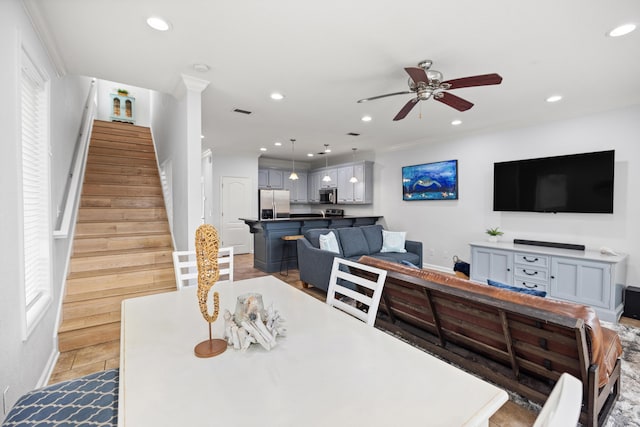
529, 284
526, 273
532, 259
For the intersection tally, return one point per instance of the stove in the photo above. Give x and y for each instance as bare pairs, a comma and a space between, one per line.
334, 212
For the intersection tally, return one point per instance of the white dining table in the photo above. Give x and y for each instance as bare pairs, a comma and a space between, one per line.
329, 370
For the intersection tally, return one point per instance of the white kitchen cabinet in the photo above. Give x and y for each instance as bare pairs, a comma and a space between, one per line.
359, 192
333, 174
584, 277
271, 178
298, 191
313, 185
491, 264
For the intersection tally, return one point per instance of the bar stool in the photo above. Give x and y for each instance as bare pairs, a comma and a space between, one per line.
286, 247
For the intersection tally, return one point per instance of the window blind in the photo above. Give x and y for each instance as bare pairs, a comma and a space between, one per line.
35, 189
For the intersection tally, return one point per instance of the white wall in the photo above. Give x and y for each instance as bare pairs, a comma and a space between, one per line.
169, 126
25, 364
446, 227
142, 106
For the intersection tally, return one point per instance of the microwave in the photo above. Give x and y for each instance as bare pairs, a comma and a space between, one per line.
329, 195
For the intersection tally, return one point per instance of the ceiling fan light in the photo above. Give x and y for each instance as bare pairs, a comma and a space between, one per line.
434, 75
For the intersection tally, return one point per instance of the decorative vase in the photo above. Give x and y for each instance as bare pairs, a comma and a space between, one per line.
493, 239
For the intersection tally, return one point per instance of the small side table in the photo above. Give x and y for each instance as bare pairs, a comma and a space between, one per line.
286, 248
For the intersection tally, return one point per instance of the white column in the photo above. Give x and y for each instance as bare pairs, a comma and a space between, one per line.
194, 88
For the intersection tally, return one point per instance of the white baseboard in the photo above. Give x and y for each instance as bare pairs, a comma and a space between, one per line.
48, 370
439, 268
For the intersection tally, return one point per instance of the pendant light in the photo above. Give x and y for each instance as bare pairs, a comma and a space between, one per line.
326, 177
293, 175
354, 178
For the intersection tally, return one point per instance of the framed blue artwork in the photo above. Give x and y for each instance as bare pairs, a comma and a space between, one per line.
430, 181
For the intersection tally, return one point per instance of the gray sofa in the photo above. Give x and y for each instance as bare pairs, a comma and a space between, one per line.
353, 242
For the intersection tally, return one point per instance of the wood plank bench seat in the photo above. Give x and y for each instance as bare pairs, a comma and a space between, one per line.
522, 342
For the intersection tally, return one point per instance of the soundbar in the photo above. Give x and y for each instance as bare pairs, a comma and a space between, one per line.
549, 244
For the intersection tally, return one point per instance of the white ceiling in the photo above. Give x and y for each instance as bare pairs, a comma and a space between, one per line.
325, 55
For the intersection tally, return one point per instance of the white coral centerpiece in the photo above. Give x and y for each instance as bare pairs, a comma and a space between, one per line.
251, 323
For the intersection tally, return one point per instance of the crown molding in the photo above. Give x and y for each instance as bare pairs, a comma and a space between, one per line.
44, 34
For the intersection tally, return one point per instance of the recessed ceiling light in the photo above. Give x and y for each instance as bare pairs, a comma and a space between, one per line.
554, 98
366, 118
201, 68
277, 96
158, 23
277, 143
456, 122
309, 154
622, 30
263, 149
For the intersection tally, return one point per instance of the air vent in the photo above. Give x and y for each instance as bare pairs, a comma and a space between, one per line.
238, 110
353, 134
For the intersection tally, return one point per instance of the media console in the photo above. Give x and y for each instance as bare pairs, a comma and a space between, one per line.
584, 277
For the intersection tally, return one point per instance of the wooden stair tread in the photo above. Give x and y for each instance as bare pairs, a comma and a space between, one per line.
112, 271
164, 286
127, 252
124, 236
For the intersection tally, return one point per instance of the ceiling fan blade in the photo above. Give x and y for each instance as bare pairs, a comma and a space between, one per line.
405, 110
417, 74
384, 96
481, 80
454, 101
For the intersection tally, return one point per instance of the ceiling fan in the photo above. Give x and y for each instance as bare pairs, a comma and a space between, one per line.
427, 83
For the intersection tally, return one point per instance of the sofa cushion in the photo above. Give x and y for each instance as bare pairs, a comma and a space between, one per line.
313, 236
393, 241
373, 234
329, 242
353, 241
516, 288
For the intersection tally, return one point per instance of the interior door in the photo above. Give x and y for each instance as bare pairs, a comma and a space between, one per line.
237, 195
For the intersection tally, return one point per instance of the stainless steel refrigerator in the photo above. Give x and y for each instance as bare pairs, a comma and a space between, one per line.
273, 204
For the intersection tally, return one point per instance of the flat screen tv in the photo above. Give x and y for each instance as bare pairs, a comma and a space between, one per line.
579, 183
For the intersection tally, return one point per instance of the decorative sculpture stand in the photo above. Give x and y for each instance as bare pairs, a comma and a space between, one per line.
207, 244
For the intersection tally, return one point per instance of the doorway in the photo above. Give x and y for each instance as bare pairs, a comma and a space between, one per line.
236, 203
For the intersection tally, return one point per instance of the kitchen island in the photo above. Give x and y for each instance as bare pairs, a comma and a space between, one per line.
269, 248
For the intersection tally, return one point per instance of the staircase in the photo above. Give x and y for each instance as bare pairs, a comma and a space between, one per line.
122, 245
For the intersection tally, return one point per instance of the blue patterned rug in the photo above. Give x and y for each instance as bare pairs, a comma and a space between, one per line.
88, 401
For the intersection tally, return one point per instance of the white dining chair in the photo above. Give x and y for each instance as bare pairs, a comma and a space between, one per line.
338, 281
186, 268
562, 408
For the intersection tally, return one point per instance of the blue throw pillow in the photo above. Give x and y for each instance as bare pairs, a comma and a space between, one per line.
409, 264
516, 289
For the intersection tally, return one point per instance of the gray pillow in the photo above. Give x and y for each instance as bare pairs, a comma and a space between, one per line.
373, 234
353, 242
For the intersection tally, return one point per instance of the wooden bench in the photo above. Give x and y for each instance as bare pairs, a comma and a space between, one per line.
521, 342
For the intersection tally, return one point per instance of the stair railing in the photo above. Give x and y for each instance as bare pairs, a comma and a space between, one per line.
76, 171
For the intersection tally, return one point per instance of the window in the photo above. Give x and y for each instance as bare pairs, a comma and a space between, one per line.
35, 193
